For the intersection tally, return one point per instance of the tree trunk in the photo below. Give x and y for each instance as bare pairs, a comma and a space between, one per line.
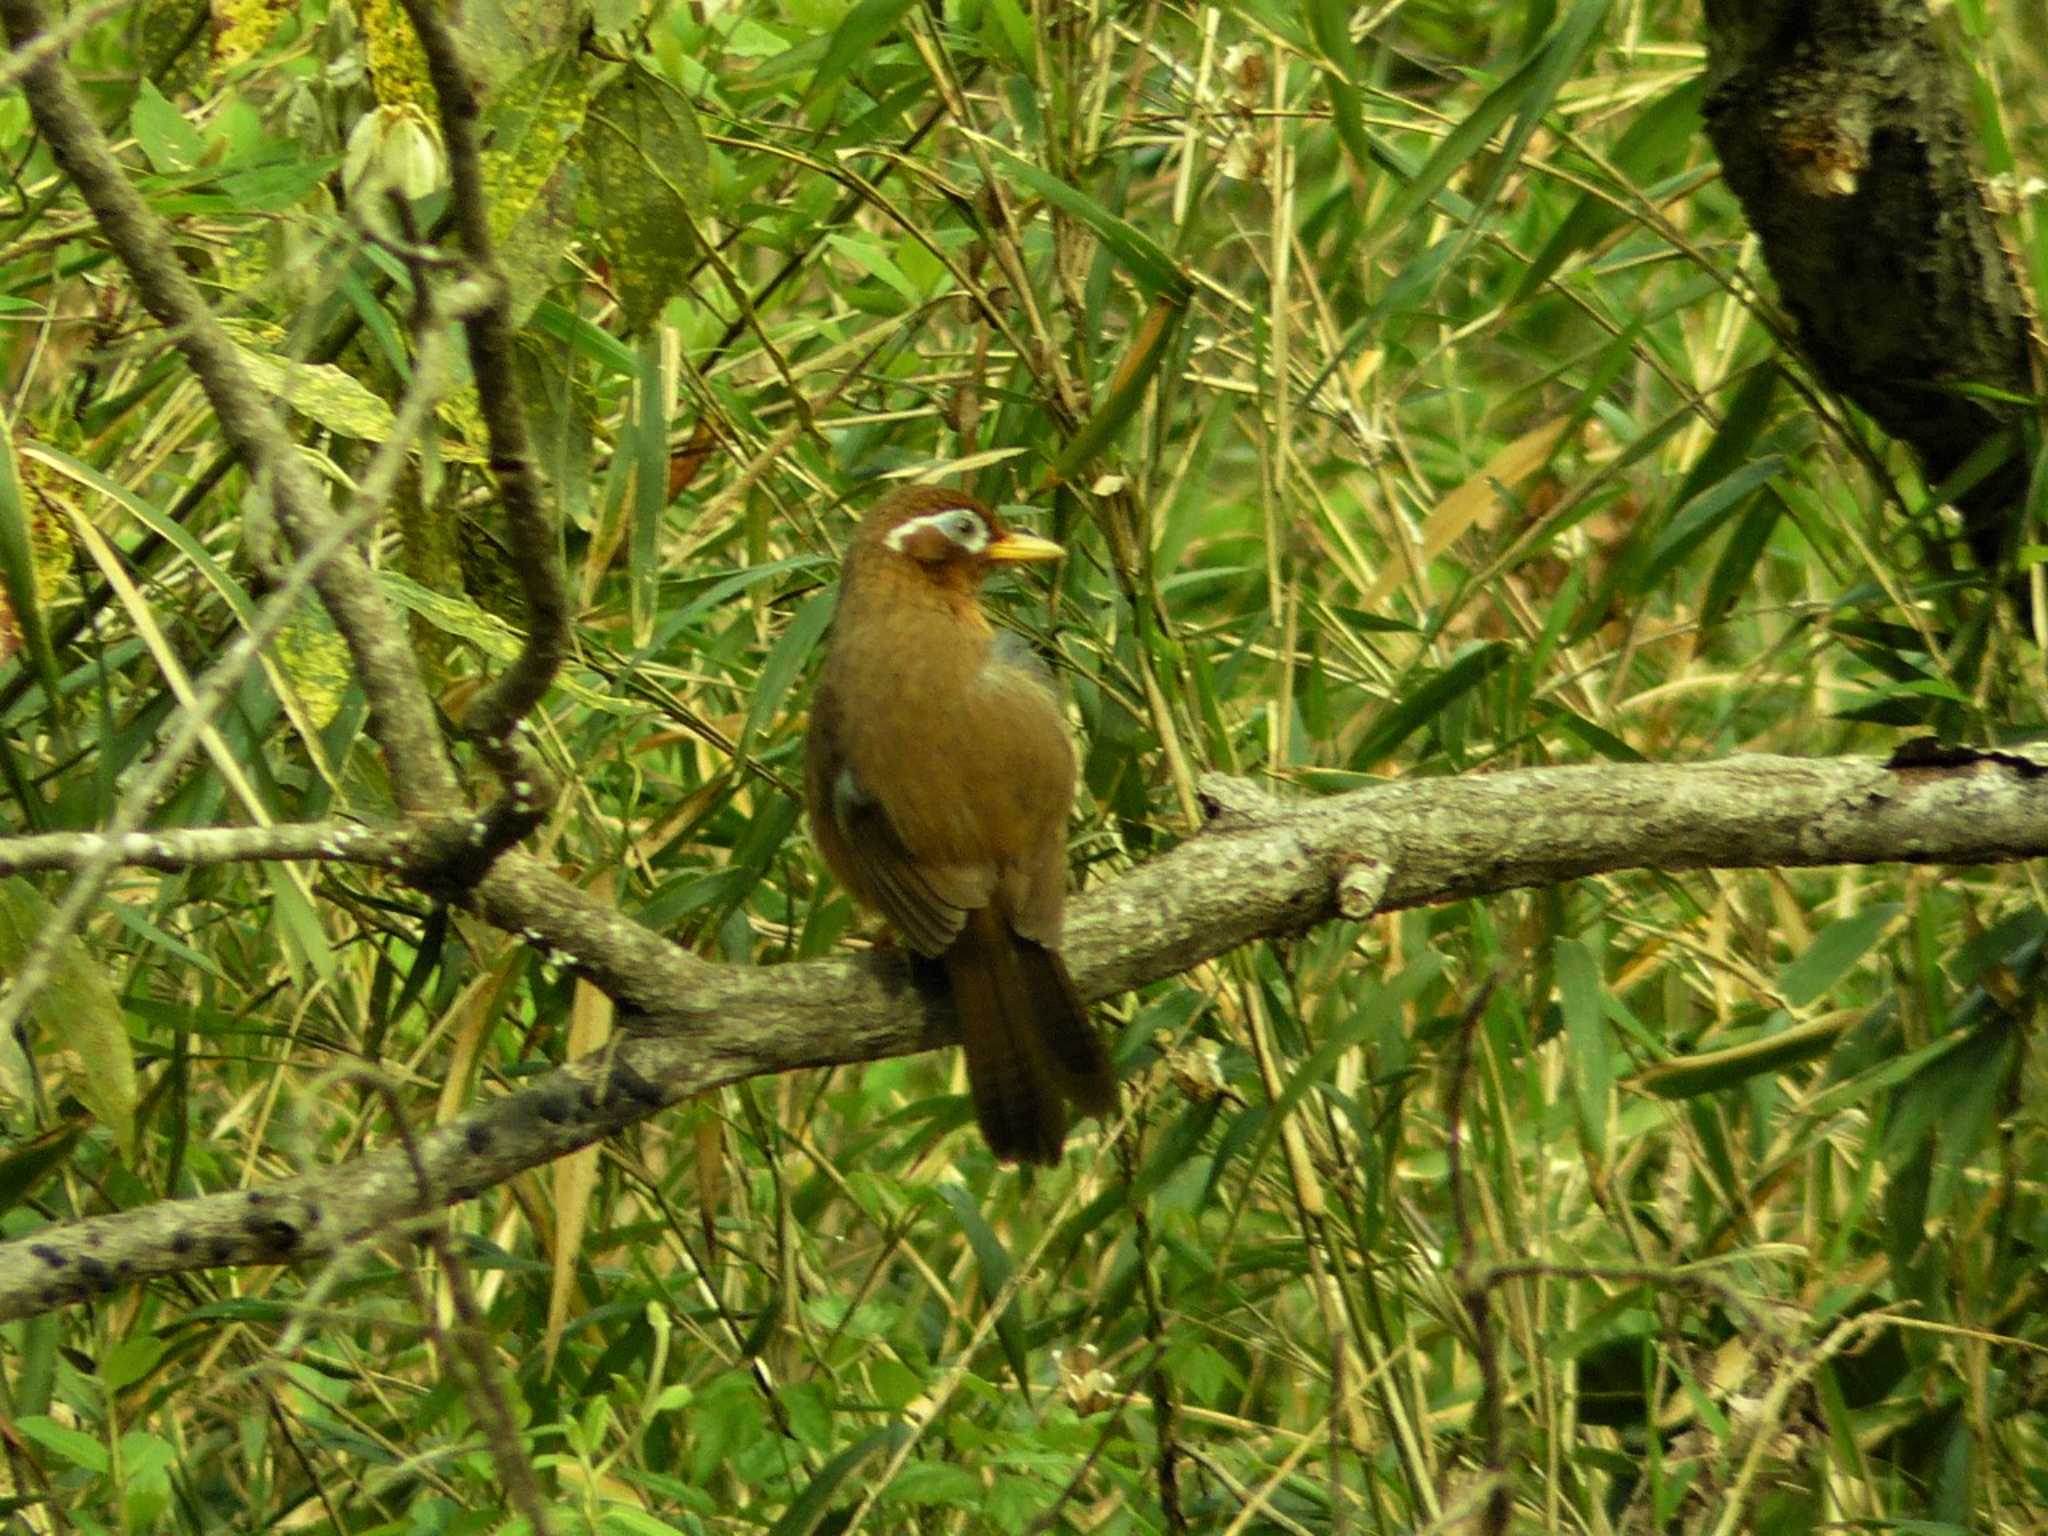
1837, 127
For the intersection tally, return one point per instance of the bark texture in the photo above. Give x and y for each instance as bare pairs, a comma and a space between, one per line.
1838, 128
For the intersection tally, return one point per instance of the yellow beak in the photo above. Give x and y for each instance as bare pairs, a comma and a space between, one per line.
1021, 547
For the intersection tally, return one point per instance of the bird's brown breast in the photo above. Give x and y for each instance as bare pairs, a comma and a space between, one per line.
967, 755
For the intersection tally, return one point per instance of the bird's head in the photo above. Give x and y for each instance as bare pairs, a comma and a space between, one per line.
945, 536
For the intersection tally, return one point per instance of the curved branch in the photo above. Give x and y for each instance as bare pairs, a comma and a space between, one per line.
1262, 868
536, 544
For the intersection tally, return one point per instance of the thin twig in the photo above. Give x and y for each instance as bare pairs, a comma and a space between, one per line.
1165, 1434
1473, 1289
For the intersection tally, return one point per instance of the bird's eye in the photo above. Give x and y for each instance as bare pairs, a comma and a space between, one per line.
963, 526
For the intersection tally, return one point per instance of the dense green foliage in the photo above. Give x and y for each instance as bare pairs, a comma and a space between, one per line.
1410, 400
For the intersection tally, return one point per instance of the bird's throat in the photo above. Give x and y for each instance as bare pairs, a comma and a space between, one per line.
912, 628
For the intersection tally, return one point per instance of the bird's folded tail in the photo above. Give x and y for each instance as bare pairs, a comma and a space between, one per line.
1030, 1047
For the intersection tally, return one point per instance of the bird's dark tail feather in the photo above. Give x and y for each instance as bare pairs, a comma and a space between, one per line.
1029, 1044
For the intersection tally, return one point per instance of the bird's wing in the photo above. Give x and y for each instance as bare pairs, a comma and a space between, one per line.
924, 902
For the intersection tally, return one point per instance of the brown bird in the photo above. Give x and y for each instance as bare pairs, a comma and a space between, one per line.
939, 776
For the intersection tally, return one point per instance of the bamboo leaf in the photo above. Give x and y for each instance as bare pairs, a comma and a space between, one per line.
996, 1267
865, 26
1138, 253
807, 1511
1141, 361
1686, 1077
1590, 1060
1329, 23
77, 1010
784, 662
1417, 709
1834, 951
1657, 136
19, 577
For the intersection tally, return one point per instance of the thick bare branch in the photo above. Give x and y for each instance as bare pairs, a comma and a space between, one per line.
1262, 868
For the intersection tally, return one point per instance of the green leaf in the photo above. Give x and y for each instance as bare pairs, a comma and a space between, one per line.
650, 173
1834, 950
334, 398
77, 1009
1459, 146
1590, 1059
594, 343
869, 256
490, 634
18, 575
1914, 703
1735, 572
1008, 21
1417, 709
81, 1450
1347, 1034
170, 141
1593, 737
1555, 64
809, 1413
533, 123
1886, 1074
723, 591
934, 1482
25, 1164
1657, 136
1948, 1109
1684, 1077
809, 1508
1329, 23
1127, 387
644, 446
315, 663
727, 1417
865, 25
784, 662
996, 1269
628, 1521
1138, 253
129, 1361
1695, 522
1734, 441
157, 521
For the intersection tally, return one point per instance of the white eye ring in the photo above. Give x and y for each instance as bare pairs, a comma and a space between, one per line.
962, 527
